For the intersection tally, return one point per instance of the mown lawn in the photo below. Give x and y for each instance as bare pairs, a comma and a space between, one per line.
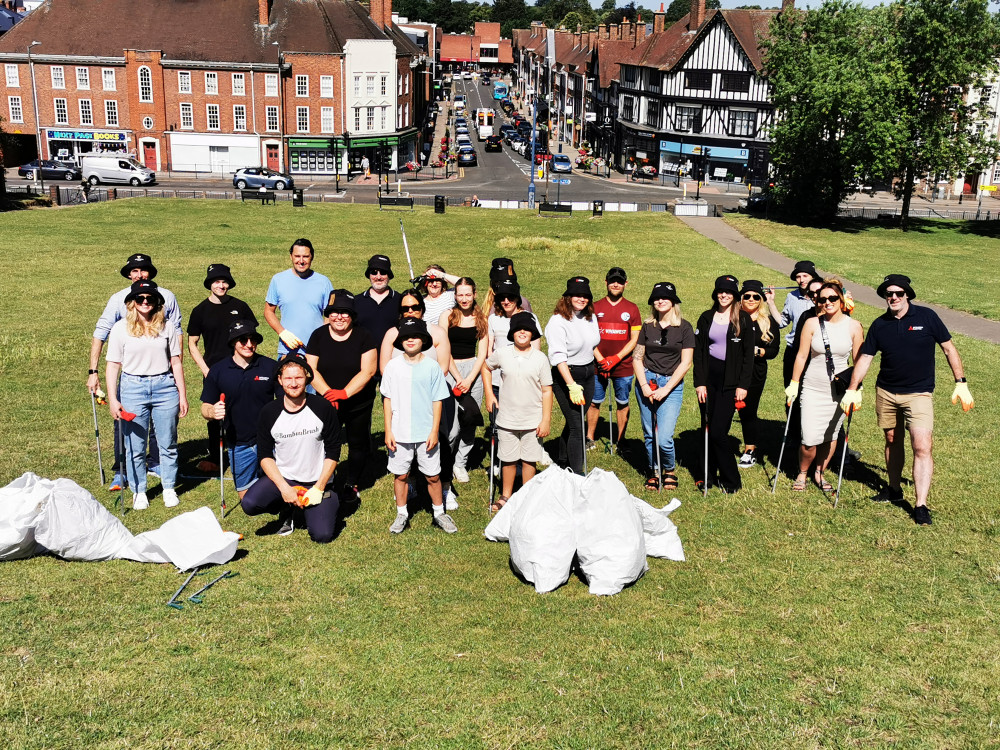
952, 263
790, 625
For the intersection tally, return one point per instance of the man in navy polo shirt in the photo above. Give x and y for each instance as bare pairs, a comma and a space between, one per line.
248, 381
906, 335
378, 306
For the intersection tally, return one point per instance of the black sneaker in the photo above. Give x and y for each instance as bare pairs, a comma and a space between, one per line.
888, 495
287, 524
922, 515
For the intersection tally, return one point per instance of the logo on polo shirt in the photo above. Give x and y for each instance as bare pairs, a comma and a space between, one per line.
234, 312
262, 377
915, 328
626, 316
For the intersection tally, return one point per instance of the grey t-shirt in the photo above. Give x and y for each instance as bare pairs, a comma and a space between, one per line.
524, 374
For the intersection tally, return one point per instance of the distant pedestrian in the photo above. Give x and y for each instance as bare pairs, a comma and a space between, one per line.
366, 167
300, 295
906, 335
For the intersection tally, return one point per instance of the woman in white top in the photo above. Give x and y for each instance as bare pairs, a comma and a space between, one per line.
819, 405
438, 298
146, 353
573, 336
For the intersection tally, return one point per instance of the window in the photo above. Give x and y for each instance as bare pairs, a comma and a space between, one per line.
385, 113
326, 119
58, 78
370, 118
996, 173
271, 116
111, 113
698, 79
370, 85
301, 85
86, 112
108, 74
302, 119
145, 84
271, 84
653, 114
239, 117
357, 119
326, 87
14, 106
688, 118
187, 116
406, 83
738, 82
655, 81
213, 116
211, 83
13, 76
742, 122
184, 81
628, 108
385, 85
630, 76
357, 85
239, 85
62, 114
399, 85
83, 78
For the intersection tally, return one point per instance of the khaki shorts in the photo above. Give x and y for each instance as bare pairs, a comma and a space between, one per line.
518, 445
897, 410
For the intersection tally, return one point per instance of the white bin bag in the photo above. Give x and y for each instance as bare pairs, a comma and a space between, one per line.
660, 533
20, 505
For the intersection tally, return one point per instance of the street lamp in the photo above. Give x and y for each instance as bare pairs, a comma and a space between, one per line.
38, 130
281, 112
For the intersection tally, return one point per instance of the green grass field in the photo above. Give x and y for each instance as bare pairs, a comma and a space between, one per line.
950, 262
790, 625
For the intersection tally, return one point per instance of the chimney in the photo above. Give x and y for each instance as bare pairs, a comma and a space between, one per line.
614, 32
787, 5
602, 32
263, 12
658, 20
627, 30
640, 34
697, 17
380, 12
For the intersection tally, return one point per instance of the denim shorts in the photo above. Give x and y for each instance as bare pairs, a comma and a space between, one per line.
243, 463
622, 386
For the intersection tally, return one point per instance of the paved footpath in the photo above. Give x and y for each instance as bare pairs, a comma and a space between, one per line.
732, 240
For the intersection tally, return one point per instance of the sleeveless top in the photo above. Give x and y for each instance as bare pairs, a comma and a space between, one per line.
463, 342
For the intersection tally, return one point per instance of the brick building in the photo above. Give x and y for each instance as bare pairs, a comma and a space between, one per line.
202, 85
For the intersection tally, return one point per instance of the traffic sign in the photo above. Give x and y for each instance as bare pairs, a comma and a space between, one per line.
561, 181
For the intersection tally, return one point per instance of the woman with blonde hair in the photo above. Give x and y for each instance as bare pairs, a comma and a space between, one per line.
766, 342
146, 354
828, 341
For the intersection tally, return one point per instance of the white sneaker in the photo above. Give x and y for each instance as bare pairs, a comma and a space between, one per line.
747, 460
170, 498
139, 501
460, 475
399, 525
450, 500
445, 523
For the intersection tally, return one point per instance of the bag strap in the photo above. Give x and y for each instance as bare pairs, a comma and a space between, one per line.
830, 371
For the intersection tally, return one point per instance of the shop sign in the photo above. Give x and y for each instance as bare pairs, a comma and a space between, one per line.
86, 135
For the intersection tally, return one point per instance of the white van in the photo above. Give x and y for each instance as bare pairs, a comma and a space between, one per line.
98, 168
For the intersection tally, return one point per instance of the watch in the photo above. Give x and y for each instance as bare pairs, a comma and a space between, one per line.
961, 380
91, 372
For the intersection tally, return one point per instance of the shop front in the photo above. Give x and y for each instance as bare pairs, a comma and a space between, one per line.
316, 155
386, 153
68, 145
640, 149
722, 163
204, 152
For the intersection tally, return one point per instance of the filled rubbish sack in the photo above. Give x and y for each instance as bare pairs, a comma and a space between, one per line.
558, 515
59, 517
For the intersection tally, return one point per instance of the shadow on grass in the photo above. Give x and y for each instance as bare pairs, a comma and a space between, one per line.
921, 225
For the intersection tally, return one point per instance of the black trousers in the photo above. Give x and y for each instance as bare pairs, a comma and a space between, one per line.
720, 407
571, 441
356, 422
749, 418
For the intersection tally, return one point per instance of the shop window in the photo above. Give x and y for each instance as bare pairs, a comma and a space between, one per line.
698, 79
62, 113
184, 81
14, 107
13, 76
302, 119
187, 116
212, 110
326, 119
86, 112
239, 85
211, 83
145, 84
111, 113
271, 117
326, 87
301, 85
110, 82
58, 77
270, 84
239, 117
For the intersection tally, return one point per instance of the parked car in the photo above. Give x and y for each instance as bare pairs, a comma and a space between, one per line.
518, 144
506, 130
51, 170
561, 163
467, 156
111, 167
485, 81
250, 178
493, 143
462, 139
461, 130
467, 75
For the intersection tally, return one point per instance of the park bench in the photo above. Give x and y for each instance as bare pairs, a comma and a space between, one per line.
395, 201
264, 196
555, 208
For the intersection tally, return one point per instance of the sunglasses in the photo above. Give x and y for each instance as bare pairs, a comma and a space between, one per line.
752, 296
812, 293
410, 308
900, 295
341, 314
247, 341
826, 300
507, 298
144, 299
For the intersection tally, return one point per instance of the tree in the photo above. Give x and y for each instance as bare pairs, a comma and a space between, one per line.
616, 15
511, 14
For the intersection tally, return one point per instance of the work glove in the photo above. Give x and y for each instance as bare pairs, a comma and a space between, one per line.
101, 396
576, 393
334, 395
609, 363
290, 339
851, 400
961, 393
312, 496
791, 392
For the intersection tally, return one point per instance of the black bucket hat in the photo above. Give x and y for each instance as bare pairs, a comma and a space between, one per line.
218, 271
501, 268
523, 321
507, 287
804, 266
139, 260
241, 329
578, 286
664, 290
413, 328
616, 274
294, 359
896, 279
379, 263
343, 301
726, 284
144, 287
752, 285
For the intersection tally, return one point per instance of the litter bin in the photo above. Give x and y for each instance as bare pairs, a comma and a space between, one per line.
297, 199
598, 208
439, 204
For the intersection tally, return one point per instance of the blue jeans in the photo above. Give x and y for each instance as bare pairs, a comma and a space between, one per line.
150, 397
243, 464
667, 412
622, 385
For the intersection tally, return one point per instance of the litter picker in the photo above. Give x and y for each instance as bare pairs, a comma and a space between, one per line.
97, 437
843, 454
197, 597
656, 439
406, 247
583, 434
126, 416
172, 601
704, 416
611, 421
781, 453
493, 454
222, 465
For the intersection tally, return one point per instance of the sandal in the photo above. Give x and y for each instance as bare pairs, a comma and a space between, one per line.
669, 480
498, 504
652, 483
824, 485
800, 482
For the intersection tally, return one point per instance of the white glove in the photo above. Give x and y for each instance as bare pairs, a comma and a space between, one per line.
290, 340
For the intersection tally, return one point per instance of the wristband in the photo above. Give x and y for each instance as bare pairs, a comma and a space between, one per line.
961, 380
94, 372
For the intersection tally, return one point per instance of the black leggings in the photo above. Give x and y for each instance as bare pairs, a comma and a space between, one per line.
571, 442
748, 414
720, 406
356, 422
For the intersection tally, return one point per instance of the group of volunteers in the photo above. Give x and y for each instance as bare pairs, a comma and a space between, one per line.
436, 358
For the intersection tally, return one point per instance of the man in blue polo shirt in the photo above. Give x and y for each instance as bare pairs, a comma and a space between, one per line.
248, 381
300, 294
906, 335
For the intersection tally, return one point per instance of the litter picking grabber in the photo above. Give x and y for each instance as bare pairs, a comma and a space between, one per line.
493, 455
704, 416
222, 465
97, 437
781, 453
656, 440
196, 596
611, 422
125, 416
406, 247
583, 433
843, 455
172, 601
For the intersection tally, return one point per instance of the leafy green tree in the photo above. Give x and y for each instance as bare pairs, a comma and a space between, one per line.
617, 15
511, 14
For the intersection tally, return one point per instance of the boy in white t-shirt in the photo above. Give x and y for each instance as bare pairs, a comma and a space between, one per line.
525, 403
413, 389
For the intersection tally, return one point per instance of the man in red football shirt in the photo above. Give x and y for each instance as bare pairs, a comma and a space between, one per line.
619, 322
